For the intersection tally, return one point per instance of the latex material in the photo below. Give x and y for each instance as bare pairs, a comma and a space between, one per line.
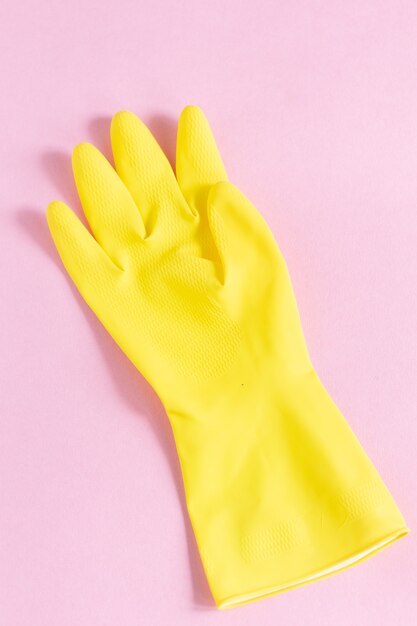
186, 276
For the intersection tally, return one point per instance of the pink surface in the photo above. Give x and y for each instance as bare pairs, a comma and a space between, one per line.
314, 105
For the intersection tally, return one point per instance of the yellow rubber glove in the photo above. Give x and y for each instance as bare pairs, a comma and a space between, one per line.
186, 276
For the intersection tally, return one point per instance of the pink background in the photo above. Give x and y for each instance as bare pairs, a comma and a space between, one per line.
314, 105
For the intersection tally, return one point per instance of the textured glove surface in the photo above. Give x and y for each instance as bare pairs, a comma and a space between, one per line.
186, 276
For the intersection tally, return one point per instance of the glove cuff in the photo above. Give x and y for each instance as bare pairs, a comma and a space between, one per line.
289, 505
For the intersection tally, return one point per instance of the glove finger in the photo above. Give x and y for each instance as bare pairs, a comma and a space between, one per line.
199, 165
86, 262
110, 209
146, 171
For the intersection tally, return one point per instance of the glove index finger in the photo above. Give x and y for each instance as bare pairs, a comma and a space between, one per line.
199, 165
